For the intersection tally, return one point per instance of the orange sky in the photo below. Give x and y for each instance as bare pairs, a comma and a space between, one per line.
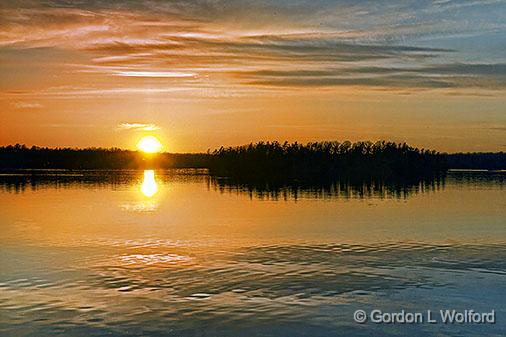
203, 74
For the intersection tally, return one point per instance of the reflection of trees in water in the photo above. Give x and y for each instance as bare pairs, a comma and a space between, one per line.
495, 178
355, 188
21, 180
349, 188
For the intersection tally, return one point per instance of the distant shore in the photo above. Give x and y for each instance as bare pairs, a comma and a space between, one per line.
265, 160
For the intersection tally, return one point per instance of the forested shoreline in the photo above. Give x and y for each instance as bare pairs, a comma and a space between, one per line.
325, 160
264, 160
23, 157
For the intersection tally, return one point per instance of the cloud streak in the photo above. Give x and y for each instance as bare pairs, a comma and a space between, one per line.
310, 44
458, 75
138, 127
27, 105
155, 74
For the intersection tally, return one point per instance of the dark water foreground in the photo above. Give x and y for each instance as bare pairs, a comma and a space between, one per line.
177, 253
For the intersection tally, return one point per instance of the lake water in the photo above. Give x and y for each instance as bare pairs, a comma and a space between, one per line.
177, 253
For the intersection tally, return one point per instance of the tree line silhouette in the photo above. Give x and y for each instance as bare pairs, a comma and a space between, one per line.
325, 160
23, 157
264, 160
477, 160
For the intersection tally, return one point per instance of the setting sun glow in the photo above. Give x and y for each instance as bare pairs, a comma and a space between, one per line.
149, 144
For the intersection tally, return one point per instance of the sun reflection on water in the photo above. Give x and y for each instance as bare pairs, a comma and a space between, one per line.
149, 186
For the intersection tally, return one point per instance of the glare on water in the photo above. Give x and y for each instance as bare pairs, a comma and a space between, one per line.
149, 186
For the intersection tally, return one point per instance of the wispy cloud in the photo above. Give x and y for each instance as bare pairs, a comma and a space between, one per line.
138, 127
26, 105
156, 74
275, 44
457, 75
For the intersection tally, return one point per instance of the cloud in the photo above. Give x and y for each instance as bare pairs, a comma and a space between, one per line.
138, 127
26, 105
262, 45
457, 75
157, 74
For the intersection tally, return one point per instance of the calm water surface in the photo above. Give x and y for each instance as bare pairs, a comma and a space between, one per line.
176, 253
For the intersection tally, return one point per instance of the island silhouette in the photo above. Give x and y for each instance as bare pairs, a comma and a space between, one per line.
260, 162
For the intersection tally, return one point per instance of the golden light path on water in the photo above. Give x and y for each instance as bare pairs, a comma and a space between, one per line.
235, 260
149, 187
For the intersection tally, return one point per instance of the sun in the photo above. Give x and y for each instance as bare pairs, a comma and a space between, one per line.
149, 144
